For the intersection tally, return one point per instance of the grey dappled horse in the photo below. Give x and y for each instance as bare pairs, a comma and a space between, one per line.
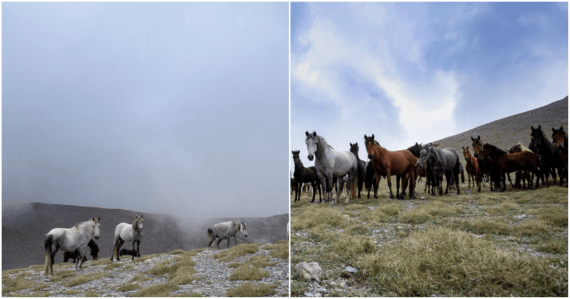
226, 230
70, 240
125, 232
329, 163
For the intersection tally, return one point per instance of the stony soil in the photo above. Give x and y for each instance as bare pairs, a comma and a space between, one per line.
214, 276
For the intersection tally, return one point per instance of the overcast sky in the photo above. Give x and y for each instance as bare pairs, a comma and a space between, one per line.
419, 72
158, 107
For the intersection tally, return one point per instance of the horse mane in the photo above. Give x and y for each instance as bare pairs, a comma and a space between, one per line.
494, 150
81, 223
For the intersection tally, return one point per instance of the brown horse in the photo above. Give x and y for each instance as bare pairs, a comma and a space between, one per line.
400, 163
561, 139
472, 167
505, 162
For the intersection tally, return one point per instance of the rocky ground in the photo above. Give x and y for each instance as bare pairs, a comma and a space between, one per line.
214, 276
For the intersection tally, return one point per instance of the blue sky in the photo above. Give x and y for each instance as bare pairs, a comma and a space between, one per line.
419, 72
157, 107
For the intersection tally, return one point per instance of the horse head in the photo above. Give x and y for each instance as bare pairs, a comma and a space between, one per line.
477, 146
425, 154
138, 225
243, 229
312, 145
537, 137
559, 137
96, 227
466, 153
354, 149
368, 143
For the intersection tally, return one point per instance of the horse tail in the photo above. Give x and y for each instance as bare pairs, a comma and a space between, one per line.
47, 244
210, 235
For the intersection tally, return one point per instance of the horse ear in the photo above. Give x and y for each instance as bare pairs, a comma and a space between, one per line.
364, 136
307, 133
561, 128
350, 144
98, 218
478, 137
472, 138
315, 134
553, 130
539, 127
372, 136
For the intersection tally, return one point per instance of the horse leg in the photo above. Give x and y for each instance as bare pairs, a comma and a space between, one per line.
229, 238
397, 187
339, 181
218, 242
376, 183
139, 248
134, 250
211, 241
121, 242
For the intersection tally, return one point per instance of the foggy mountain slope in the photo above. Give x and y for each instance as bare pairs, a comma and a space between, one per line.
511, 130
24, 230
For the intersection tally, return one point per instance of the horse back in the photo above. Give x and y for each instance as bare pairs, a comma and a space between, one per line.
399, 161
344, 162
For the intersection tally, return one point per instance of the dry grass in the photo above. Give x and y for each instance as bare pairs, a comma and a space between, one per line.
159, 290
85, 279
252, 290
236, 251
479, 244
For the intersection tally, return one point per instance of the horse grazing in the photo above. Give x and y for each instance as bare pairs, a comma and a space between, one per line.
473, 170
329, 163
305, 175
125, 232
505, 162
399, 163
69, 240
361, 167
560, 138
548, 155
442, 162
226, 230
94, 253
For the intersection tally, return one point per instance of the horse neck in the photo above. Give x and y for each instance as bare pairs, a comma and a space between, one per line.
135, 225
85, 226
322, 149
298, 164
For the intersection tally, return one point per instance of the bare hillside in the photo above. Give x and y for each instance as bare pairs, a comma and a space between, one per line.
511, 130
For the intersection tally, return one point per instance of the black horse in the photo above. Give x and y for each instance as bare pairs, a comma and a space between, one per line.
305, 175
73, 255
548, 156
442, 162
361, 167
369, 179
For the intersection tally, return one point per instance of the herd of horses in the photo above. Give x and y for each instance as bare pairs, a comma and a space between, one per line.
73, 241
541, 159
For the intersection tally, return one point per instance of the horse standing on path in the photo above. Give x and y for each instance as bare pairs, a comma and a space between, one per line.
330, 162
304, 174
226, 230
399, 163
442, 162
361, 167
125, 232
70, 240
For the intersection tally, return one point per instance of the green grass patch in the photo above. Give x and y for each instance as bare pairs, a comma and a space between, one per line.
61, 275
140, 278
236, 251
101, 262
128, 287
160, 290
252, 290
113, 266
186, 295
81, 279
39, 294
248, 272
555, 216
279, 250
91, 294
177, 251
454, 263
15, 284
318, 215
414, 216
531, 227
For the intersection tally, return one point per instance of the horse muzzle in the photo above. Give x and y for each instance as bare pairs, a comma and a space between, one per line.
310, 157
96, 237
420, 165
476, 155
370, 156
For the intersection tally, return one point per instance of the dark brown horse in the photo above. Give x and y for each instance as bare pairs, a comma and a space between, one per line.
400, 163
561, 139
548, 155
472, 167
505, 162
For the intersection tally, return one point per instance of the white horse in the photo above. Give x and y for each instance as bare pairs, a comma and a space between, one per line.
125, 232
73, 239
226, 230
329, 163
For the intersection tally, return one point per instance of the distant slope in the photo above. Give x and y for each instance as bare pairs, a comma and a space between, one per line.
511, 130
24, 230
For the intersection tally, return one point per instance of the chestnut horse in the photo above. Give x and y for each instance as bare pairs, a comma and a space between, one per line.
400, 163
472, 167
505, 162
